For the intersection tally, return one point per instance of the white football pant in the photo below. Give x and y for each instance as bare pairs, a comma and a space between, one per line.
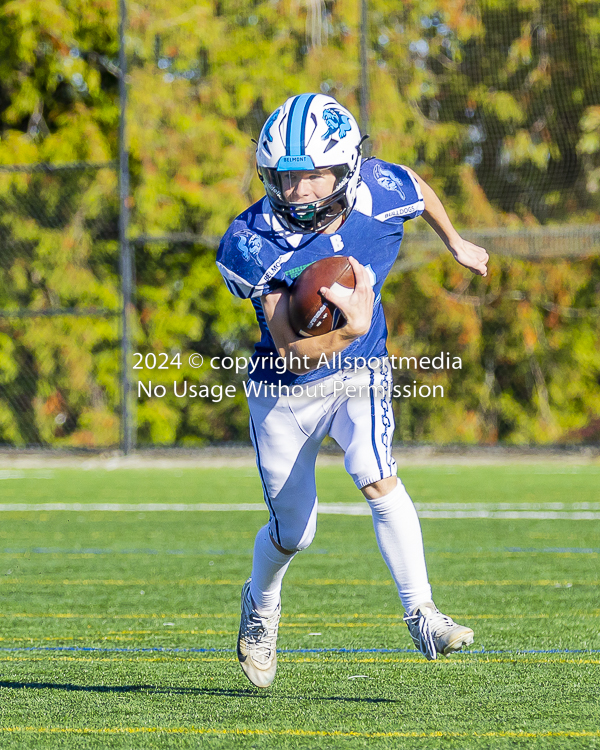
355, 409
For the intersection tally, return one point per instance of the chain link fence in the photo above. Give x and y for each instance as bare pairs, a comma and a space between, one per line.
500, 108
59, 305
61, 365
61, 374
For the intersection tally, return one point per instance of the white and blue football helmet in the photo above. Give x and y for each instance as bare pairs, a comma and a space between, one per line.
309, 133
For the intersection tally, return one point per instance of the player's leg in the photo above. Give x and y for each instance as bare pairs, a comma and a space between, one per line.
286, 434
363, 427
286, 440
398, 533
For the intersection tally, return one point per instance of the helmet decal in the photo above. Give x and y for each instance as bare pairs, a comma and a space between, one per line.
296, 124
269, 125
249, 244
335, 120
389, 181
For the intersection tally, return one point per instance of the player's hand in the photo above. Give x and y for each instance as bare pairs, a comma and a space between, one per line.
357, 307
470, 256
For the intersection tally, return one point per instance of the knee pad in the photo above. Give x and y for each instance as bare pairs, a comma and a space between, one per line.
294, 537
308, 536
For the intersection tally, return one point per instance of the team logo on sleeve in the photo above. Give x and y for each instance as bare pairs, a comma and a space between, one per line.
335, 121
249, 244
388, 180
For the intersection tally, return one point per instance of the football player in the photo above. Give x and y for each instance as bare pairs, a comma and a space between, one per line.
323, 199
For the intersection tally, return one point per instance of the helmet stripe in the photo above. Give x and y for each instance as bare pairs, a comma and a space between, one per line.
297, 124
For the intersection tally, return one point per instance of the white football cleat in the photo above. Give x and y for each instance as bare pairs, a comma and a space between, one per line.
434, 633
257, 641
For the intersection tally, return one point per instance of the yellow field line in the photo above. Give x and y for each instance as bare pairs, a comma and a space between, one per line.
309, 582
297, 625
71, 638
165, 632
286, 659
449, 662
291, 732
306, 618
116, 659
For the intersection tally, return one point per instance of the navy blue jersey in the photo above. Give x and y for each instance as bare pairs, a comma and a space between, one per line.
257, 256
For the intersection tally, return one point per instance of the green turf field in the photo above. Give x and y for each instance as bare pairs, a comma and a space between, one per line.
117, 629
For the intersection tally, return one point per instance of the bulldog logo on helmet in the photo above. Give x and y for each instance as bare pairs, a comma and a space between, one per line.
335, 120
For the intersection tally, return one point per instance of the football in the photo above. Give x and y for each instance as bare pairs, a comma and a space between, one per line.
311, 314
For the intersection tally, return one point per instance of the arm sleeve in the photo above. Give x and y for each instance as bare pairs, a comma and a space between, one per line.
242, 259
397, 195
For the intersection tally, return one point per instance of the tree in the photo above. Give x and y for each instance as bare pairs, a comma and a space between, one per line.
495, 104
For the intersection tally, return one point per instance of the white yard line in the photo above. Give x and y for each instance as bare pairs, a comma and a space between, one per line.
536, 511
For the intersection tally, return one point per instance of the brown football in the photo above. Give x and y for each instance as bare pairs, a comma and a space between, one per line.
310, 313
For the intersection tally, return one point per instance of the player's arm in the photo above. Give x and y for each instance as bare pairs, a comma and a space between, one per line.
471, 256
357, 308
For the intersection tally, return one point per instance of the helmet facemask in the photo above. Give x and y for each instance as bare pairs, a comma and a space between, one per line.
315, 215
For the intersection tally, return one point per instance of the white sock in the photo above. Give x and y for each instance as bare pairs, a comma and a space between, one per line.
268, 568
398, 533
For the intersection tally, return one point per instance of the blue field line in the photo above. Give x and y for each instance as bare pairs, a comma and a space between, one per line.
97, 551
174, 650
182, 552
140, 551
554, 550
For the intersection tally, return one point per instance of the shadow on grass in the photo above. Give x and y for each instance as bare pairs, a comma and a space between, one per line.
243, 693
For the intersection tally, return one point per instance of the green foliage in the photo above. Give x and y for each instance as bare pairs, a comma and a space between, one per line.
530, 365
494, 103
